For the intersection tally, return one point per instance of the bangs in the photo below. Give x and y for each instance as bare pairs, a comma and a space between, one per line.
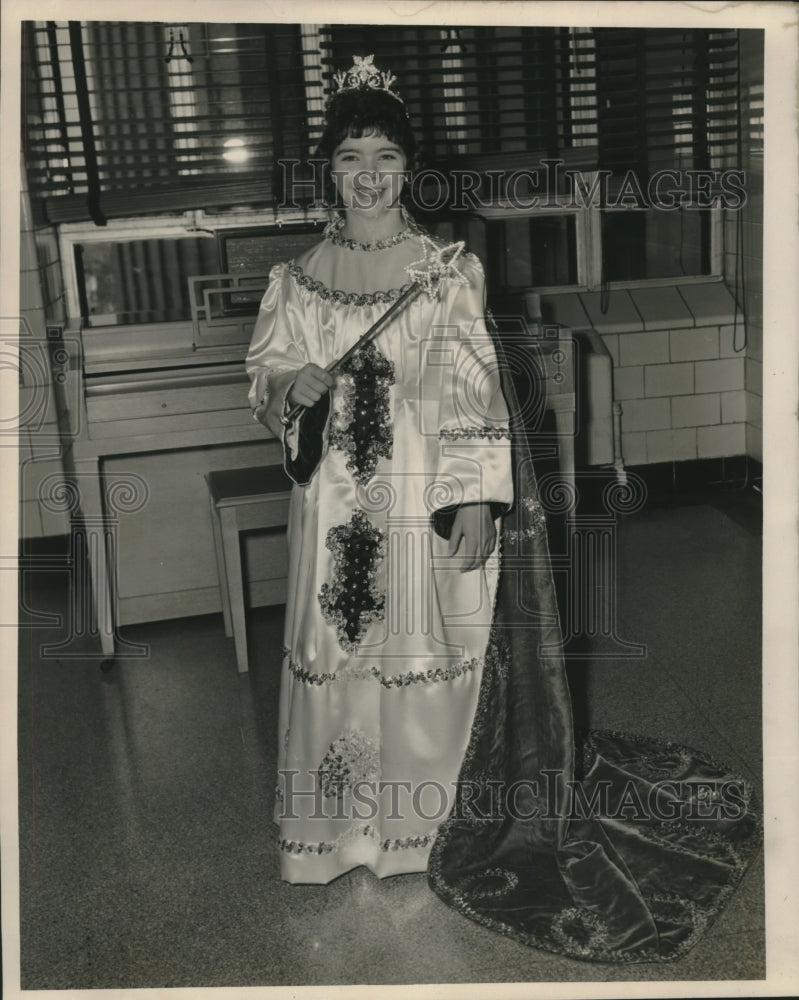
364, 128
356, 113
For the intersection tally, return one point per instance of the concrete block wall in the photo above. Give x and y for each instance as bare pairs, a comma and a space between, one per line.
682, 394
679, 367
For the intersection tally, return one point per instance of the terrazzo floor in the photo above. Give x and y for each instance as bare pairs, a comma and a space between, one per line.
148, 856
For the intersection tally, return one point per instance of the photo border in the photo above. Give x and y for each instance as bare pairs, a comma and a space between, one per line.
780, 451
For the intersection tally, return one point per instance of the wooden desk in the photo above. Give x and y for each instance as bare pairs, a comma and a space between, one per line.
142, 437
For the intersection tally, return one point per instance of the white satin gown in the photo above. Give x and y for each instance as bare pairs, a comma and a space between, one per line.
384, 635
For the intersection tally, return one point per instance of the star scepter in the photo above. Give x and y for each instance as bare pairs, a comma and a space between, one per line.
436, 264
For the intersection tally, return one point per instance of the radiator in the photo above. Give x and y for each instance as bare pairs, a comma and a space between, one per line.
599, 415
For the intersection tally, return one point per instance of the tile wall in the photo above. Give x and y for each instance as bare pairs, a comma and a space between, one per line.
679, 367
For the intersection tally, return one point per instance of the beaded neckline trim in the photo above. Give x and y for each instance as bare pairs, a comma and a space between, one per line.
332, 233
343, 298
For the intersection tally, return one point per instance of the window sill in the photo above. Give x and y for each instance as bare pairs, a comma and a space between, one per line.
644, 307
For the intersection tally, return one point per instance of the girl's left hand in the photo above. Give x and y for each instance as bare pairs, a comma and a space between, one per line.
474, 534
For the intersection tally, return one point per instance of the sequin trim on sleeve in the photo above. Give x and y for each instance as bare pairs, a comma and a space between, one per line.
352, 601
461, 433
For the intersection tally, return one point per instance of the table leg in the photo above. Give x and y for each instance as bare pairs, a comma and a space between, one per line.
100, 546
221, 569
235, 578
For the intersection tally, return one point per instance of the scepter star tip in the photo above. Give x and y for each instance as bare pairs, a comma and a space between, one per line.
437, 264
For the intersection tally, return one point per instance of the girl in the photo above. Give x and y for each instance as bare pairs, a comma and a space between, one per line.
387, 621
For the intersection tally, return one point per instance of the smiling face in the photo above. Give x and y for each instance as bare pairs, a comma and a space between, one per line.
368, 172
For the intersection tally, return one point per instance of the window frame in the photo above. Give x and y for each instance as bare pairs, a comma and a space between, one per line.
588, 239
192, 223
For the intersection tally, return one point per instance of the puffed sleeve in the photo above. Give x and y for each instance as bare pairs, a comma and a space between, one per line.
276, 350
473, 429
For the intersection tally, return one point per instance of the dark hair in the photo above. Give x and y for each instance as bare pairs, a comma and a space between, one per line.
359, 112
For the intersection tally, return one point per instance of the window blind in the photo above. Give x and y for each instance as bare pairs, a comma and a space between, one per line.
142, 117
131, 118
480, 94
667, 99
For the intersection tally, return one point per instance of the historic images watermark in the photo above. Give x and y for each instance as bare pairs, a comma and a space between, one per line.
554, 797
551, 186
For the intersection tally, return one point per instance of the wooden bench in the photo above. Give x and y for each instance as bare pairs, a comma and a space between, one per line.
242, 500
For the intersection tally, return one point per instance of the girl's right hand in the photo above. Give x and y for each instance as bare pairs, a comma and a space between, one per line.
311, 383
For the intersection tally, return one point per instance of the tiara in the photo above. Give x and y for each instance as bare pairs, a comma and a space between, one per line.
364, 75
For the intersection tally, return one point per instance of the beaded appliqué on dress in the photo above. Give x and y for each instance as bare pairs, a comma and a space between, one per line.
352, 757
353, 601
363, 429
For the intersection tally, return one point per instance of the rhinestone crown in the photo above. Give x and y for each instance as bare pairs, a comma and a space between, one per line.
364, 75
